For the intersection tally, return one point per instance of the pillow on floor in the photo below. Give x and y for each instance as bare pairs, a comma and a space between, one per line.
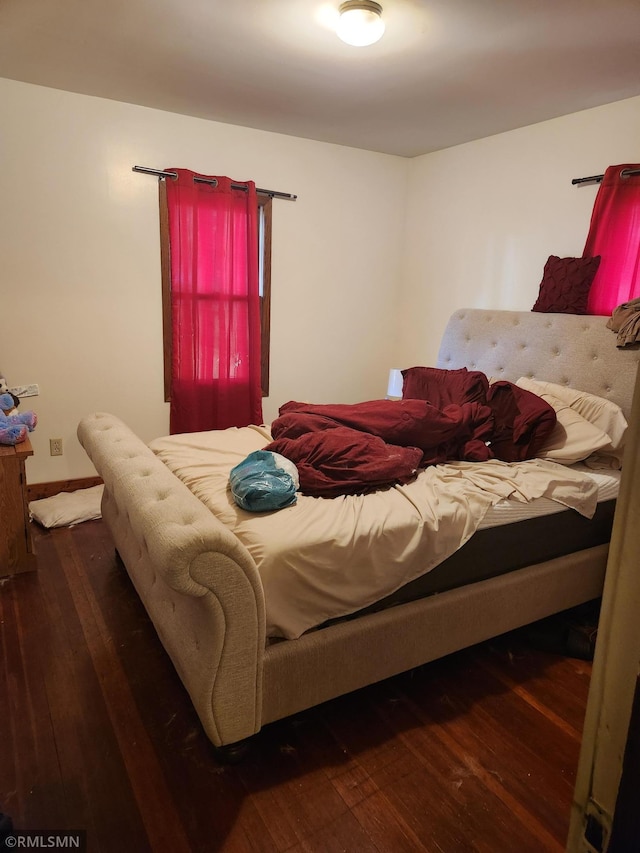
68, 508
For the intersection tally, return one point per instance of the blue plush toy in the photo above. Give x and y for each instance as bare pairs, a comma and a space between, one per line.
14, 425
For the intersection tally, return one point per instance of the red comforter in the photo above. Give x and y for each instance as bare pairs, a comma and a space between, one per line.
351, 449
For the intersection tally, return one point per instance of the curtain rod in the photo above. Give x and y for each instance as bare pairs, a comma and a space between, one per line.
162, 174
595, 179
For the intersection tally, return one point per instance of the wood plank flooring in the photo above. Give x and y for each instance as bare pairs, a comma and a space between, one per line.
475, 752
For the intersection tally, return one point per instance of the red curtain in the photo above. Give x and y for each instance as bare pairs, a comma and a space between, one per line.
215, 304
614, 234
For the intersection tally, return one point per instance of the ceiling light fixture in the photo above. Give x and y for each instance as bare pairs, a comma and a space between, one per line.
360, 22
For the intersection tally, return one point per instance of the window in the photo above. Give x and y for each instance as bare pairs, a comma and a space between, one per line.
264, 261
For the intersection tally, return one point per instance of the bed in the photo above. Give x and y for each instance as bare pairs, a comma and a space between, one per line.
205, 594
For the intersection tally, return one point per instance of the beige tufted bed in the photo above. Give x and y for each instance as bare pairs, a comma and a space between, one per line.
203, 591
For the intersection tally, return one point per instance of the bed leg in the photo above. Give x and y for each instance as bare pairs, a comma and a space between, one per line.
233, 753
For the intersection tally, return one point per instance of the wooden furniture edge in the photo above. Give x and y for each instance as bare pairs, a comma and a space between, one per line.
16, 549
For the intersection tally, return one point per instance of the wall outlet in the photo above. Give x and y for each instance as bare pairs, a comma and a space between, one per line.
26, 390
55, 447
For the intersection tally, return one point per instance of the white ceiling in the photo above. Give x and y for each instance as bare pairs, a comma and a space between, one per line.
445, 72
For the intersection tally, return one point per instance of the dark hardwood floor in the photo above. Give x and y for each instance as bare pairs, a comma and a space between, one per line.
475, 752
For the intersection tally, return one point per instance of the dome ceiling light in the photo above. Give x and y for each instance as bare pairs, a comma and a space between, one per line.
360, 22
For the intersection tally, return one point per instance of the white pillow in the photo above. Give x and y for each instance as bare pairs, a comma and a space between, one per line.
68, 508
573, 438
603, 414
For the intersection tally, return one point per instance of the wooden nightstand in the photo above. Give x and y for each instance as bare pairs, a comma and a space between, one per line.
16, 552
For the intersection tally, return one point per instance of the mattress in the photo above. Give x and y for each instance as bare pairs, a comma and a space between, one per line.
497, 550
322, 559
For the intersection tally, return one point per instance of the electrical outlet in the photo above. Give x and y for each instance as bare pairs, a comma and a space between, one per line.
26, 390
55, 447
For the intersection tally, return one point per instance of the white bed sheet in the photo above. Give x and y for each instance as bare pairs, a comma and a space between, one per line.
324, 558
508, 511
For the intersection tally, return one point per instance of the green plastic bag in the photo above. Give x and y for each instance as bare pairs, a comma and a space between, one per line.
264, 481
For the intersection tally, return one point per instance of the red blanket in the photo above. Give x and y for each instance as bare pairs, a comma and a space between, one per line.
522, 421
343, 461
334, 449
355, 448
441, 387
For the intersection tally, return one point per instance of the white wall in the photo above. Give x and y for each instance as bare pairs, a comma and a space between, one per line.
482, 218
356, 288
81, 269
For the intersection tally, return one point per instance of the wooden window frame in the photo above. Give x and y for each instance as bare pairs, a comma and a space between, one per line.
265, 204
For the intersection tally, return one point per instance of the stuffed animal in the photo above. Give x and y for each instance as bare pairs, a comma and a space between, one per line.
13, 426
4, 389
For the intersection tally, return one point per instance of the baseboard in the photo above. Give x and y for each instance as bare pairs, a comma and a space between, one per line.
37, 491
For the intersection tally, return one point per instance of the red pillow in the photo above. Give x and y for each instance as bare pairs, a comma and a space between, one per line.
565, 285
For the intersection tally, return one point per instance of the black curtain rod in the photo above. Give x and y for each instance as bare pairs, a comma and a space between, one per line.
595, 179
162, 174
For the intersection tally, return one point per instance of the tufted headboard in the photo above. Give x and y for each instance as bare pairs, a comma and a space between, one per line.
568, 349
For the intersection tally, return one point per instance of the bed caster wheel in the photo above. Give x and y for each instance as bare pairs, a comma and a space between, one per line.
233, 753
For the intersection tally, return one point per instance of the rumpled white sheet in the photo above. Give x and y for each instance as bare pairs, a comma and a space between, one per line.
323, 558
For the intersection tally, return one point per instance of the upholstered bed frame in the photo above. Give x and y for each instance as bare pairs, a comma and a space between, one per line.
203, 593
